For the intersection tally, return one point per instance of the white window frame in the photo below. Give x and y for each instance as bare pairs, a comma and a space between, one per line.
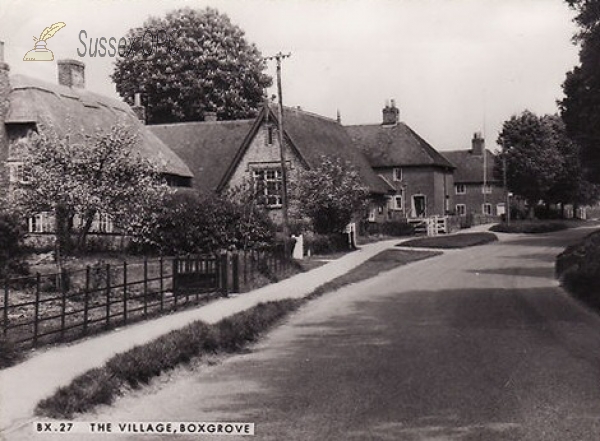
372, 214
397, 174
459, 187
461, 209
486, 189
398, 202
272, 186
483, 210
17, 173
103, 223
39, 223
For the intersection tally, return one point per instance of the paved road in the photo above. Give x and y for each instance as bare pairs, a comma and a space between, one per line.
479, 344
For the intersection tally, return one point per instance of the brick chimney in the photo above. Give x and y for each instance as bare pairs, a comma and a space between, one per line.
71, 73
4, 105
138, 109
477, 144
391, 114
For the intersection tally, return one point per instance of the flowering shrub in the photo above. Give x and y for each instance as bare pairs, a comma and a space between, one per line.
331, 195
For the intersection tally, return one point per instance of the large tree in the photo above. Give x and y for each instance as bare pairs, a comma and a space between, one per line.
331, 194
101, 174
543, 163
533, 159
189, 63
580, 108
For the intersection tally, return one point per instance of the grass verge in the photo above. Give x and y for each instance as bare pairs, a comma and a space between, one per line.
532, 226
578, 268
451, 241
139, 365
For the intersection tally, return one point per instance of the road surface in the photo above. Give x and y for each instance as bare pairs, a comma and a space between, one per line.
477, 344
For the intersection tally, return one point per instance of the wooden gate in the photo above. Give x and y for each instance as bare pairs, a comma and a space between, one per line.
197, 274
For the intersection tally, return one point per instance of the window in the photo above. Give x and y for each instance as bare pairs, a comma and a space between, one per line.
17, 173
461, 209
487, 209
486, 189
460, 188
270, 135
397, 174
268, 186
40, 223
103, 223
398, 203
372, 214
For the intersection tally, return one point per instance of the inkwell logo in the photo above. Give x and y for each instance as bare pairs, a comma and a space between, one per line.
40, 52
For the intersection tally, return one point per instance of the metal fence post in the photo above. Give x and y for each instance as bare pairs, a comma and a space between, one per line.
162, 286
235, 271
108, 295
125, 296
175, 287
37, 308
63, 302
224, 264
86, 299
5, 309
145, 286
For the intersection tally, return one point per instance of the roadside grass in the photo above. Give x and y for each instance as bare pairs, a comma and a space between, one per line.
451, 241
578, 269
9, 354
535, 226
139, 365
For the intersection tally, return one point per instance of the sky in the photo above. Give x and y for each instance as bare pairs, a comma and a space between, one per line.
454, 67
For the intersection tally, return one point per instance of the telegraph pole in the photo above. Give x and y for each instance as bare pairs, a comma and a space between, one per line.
504, 175
284, 196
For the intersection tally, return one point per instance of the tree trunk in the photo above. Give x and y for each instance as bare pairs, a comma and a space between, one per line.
83, 233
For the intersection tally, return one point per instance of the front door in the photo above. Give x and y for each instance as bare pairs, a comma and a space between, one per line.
419, 206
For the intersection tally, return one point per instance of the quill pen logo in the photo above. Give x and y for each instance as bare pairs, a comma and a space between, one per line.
40, 52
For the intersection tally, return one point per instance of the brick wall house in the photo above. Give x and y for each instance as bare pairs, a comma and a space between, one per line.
246, 151
421, 177
476, 190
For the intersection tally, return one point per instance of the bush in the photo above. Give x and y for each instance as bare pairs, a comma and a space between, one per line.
395, 228
326, 243
11, 240
578, 267
187, 222
545, 213
529, 227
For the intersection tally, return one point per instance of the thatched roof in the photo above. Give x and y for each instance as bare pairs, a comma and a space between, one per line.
206, 147
395, 146
76, 112
469, 167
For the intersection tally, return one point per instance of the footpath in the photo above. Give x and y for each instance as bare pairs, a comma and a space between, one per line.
24, 385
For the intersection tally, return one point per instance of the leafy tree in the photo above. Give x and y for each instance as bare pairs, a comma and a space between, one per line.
331, 195
188, 222
543, 163
580, 108
189, 63
11, 240
533, 159
104, 174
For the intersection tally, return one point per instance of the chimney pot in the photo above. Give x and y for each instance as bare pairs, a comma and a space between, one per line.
391, 114
138, 108
477, 144
71, 73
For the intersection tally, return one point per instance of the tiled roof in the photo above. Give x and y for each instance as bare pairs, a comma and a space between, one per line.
78, 112
206, 147
469, 167
395, 145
